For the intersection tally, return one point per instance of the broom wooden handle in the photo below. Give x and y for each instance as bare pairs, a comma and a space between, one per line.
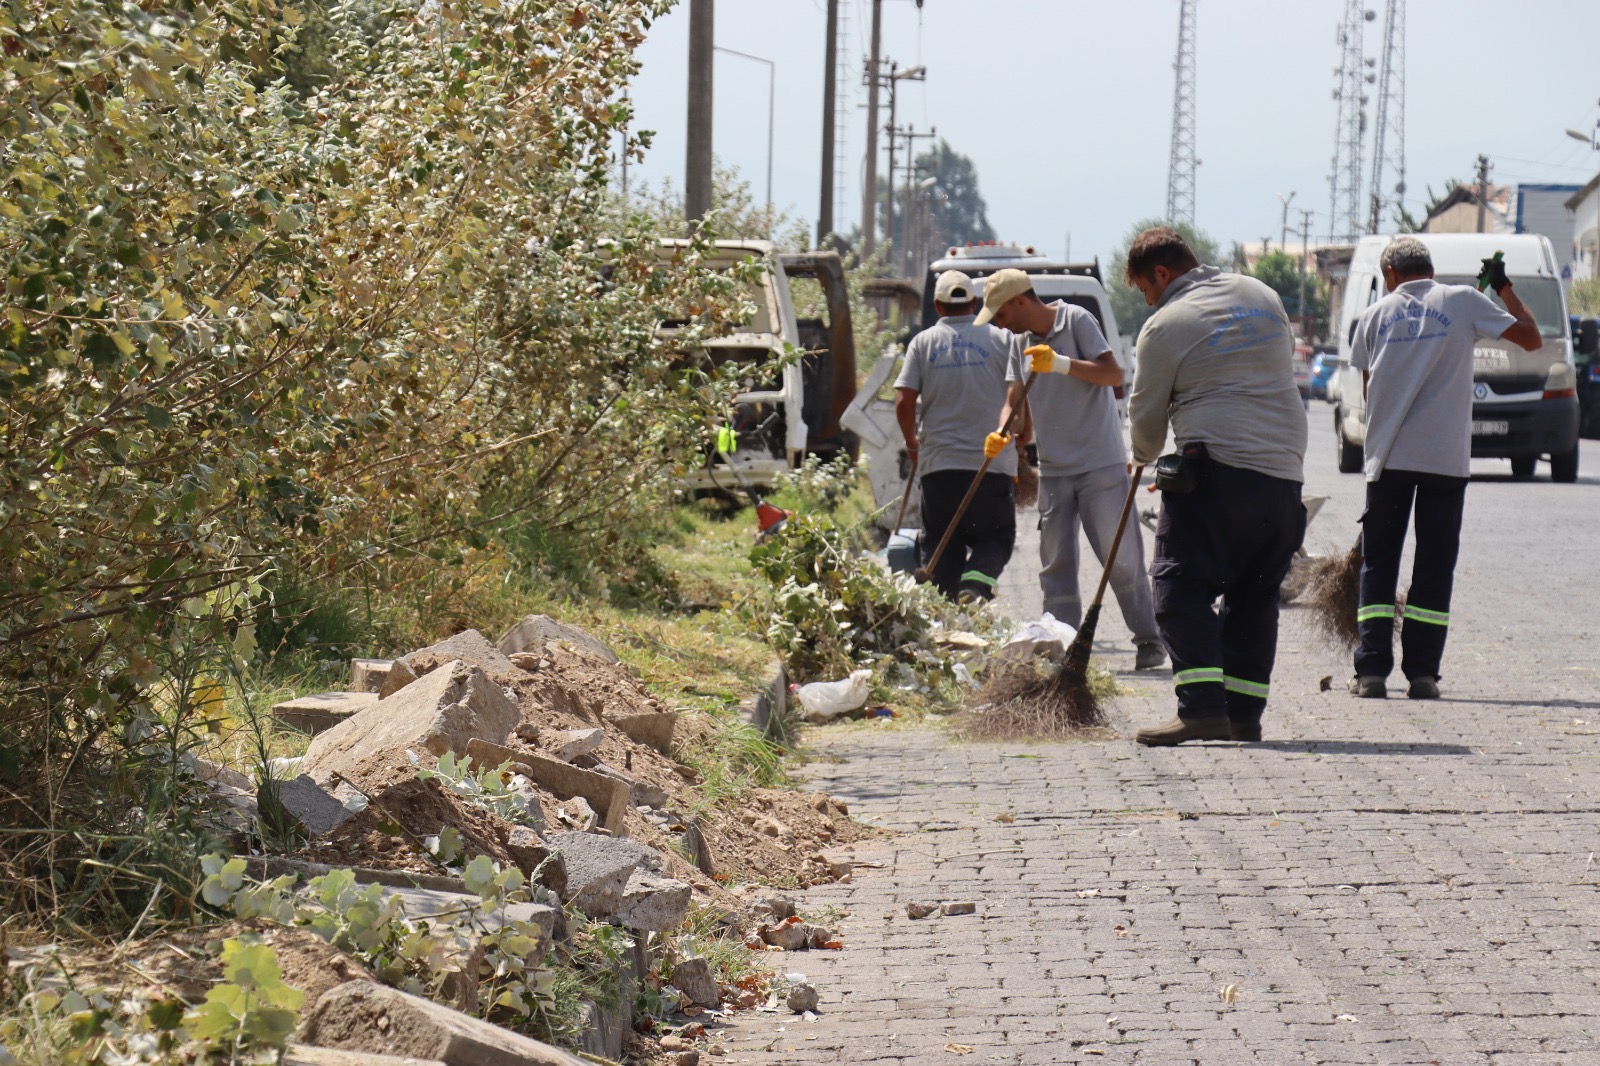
905, 494
1116, 542
972, 490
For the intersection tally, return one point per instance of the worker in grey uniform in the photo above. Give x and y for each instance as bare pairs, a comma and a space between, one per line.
1217, 360
1083, 463
951, 384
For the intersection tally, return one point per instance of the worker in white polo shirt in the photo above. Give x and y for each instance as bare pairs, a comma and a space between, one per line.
1083, 462
1414, 349
951, 384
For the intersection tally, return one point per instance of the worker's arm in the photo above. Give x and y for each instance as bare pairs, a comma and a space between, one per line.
1525, 333
1022, 429
905, 412
1151, 396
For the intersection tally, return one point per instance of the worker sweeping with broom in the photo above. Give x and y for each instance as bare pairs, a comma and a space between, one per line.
951, 384
1216, 359
1414, 349
1083, 464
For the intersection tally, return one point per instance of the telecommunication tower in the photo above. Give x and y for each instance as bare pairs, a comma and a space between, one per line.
1389, 136
1181, 161
1351, 77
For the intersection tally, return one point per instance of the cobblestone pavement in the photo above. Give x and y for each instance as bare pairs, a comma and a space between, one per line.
1377, 882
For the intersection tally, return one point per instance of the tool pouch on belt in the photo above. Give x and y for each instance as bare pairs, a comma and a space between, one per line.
1184, 470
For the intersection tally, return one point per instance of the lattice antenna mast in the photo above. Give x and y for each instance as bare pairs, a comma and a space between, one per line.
1181, 161
1389, 137
1344, 208
843, 73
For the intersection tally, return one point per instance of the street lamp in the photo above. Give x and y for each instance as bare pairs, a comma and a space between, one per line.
772, 80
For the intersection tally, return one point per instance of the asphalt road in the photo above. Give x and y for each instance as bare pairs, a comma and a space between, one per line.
1377, 882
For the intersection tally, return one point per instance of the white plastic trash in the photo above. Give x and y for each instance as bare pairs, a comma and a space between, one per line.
1048, 637
823, 701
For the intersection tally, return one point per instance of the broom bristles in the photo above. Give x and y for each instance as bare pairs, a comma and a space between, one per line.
1027, 482
1333, 592
1033, 699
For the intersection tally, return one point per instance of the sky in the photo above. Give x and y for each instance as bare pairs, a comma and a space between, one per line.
1065, 106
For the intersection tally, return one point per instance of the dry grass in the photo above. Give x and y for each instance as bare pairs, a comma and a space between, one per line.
1036, 699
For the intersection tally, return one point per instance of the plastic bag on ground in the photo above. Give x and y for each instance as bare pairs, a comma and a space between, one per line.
823, 701
1048, 637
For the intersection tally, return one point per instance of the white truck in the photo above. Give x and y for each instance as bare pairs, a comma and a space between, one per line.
1525, 404
871, 415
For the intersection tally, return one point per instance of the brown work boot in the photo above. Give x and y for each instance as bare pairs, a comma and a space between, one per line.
1212, 727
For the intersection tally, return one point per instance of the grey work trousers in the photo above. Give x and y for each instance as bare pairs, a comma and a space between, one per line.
1093, 499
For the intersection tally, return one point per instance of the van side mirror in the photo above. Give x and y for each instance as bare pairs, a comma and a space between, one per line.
1589, 337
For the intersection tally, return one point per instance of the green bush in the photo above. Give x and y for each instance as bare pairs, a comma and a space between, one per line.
300, 297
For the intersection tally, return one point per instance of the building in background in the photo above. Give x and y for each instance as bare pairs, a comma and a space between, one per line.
1583, 212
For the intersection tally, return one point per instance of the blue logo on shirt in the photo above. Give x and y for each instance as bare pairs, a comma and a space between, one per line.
958, 353
1245, 328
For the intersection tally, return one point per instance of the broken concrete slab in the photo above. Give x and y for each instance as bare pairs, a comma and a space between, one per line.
694, 979
598, 869
368, 675
215, 773
398, 677
322, 711
537, 860
305, 1055
608, 797
640, 793
470, 647
801, 998
569, 744
610, 1024
317, 812
363, 1016
651, 728
654, 904
426, 902
445, 710
534, 631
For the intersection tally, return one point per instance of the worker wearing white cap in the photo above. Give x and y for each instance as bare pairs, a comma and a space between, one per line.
951, 385
1083, 463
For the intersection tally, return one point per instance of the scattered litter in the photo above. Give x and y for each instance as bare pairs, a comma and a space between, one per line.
920, 910
824, 701
1005, 818
960, 1049
1229, 994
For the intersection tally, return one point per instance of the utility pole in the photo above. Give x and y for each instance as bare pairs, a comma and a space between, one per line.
888, 206
1283, 232
1305, 254
869, 193
829, 98
1483, 189
1180, 160
911, 137
697, 174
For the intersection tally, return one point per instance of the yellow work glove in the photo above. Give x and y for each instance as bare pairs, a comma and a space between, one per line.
1043, 358
994, 444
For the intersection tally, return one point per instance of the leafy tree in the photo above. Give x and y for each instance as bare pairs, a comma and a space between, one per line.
959, 213
1281, 273
346, 328
1127, 302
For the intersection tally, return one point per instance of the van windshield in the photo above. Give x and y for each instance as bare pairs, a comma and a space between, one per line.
1542, 295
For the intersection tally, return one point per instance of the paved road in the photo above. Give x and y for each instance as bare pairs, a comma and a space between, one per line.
1395, 882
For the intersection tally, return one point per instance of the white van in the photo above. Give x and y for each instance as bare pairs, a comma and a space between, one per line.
1525, 404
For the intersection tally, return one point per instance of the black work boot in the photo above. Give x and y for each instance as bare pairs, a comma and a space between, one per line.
1246, 731
1211, 727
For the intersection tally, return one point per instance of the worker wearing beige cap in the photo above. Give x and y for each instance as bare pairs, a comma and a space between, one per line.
1083, 463
951, 384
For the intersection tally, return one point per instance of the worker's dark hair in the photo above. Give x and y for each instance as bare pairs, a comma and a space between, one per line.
1407, 257
1159, 246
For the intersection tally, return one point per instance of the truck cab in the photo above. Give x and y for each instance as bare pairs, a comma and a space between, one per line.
1525, 404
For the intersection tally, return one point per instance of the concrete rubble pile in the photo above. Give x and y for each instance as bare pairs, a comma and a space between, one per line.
594, 764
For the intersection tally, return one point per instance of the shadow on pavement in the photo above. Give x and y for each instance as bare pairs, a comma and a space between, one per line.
1360, 747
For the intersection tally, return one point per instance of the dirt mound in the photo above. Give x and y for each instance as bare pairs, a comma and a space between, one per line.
421, 808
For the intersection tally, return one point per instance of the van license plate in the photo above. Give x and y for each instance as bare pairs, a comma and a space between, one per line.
1490, 429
